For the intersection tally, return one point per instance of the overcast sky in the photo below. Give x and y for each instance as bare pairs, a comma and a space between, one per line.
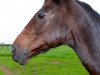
15, 14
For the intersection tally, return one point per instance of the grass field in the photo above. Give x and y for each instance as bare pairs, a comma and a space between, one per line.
1, 73
58, 61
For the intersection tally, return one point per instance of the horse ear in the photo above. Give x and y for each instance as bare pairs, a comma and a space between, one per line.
57, 1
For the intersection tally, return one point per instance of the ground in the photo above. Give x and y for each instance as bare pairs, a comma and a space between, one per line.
58, 61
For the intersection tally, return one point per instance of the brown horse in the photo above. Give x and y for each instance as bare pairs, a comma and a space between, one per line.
59, 22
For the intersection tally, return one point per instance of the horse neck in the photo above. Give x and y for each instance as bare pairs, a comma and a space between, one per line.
85, 37
86, 44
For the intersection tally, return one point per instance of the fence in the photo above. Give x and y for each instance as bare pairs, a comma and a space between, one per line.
4, 46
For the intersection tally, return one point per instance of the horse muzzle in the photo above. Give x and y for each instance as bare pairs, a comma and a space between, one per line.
21, 57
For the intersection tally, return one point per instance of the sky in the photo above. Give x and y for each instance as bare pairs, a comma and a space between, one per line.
15, 14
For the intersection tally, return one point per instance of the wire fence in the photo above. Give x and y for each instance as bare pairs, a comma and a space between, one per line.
4, 47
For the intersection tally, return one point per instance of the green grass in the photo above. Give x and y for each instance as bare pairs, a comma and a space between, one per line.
58, 61
1, 73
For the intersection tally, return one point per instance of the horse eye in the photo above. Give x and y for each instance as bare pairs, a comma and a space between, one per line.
41, 15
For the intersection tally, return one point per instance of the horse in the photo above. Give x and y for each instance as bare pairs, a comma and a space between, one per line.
62, 22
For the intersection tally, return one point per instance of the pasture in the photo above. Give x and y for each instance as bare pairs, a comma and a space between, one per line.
58, 61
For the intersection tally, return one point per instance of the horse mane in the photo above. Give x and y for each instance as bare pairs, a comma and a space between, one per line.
84, 5
88, 9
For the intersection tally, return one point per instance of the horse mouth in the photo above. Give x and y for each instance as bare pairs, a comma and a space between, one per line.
23, 57
21, 61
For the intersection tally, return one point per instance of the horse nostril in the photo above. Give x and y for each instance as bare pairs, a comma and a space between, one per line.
13, 49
